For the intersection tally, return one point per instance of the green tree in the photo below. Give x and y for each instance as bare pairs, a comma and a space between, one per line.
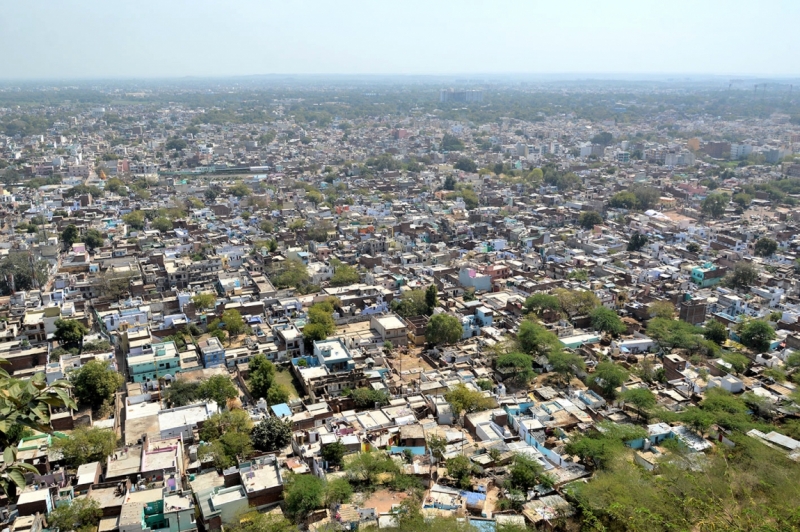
716, 331
526, 473
344, 275
449, 183
86, 445
606, 320
460, 469
411, 303
175, 143
465, 400
451, 143
564, 364
588, 219
443, 329
623, 200
182, 392
369, 398
756, 334
69, 333
522, 367
466, 164
693, 247
641, 398
81, 515
541, 303
221, 423
204, 301
96, 383
277, 394
293, 275
535, 339
233, 321
240, 190
576, 302
162, 224
258, 522
661, 309
272, 434
93, 239
431, 298
608, 376
637, 242
262, 376
333, 453
742, 199
766, 247
672, 334
69, 236
715, 204
743, 276
135, 220
219, 389
737, 361
338, 491
367, 467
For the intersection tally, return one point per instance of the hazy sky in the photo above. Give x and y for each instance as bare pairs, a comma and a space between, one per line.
170, 38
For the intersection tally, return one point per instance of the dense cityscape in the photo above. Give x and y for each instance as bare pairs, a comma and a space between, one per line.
268, 304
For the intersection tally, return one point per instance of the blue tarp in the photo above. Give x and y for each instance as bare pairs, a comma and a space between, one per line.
281, 410
417, 451
473, 498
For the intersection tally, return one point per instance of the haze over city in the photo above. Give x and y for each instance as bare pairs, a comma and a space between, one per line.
151, 38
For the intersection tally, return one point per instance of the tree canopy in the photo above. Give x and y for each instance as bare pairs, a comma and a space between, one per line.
443, 329
95, 383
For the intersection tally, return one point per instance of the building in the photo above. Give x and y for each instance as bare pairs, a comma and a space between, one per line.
693, 311
391, 328
153, 362
212, 352
707, 275
456, 95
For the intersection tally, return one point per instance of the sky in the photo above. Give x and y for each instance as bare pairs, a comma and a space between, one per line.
85, 39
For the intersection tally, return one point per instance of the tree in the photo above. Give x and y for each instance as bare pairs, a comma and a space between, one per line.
466, 164
623, 200
240, 190
367, 467
233, 321
302, 495
460, 469
743, 276
449, 183
646, 197
765, 247
277, 394
272, 434
673, 333
86, 445
522, 367
443, 329
535, 339
564, 364
343, 275
606, 320
219, 389
431, 298
576, 302
95, 383
603, 138
526, 473
221, 423
737, 361
262, 376
693, 247
641, 398
541, 303
411, 303
608, 376
715, 204
26, 273
69, 236
162, 224
182, 392
293, 275
93, 239
135, 220
716, 332
175, 143
81, 515
257, 522
451, 143
333, 453
588, 219
637, 242
661, 309
742, 199
437, 446
204, 301
369, 398
463, 399
338, 491
69, 333
756, 334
